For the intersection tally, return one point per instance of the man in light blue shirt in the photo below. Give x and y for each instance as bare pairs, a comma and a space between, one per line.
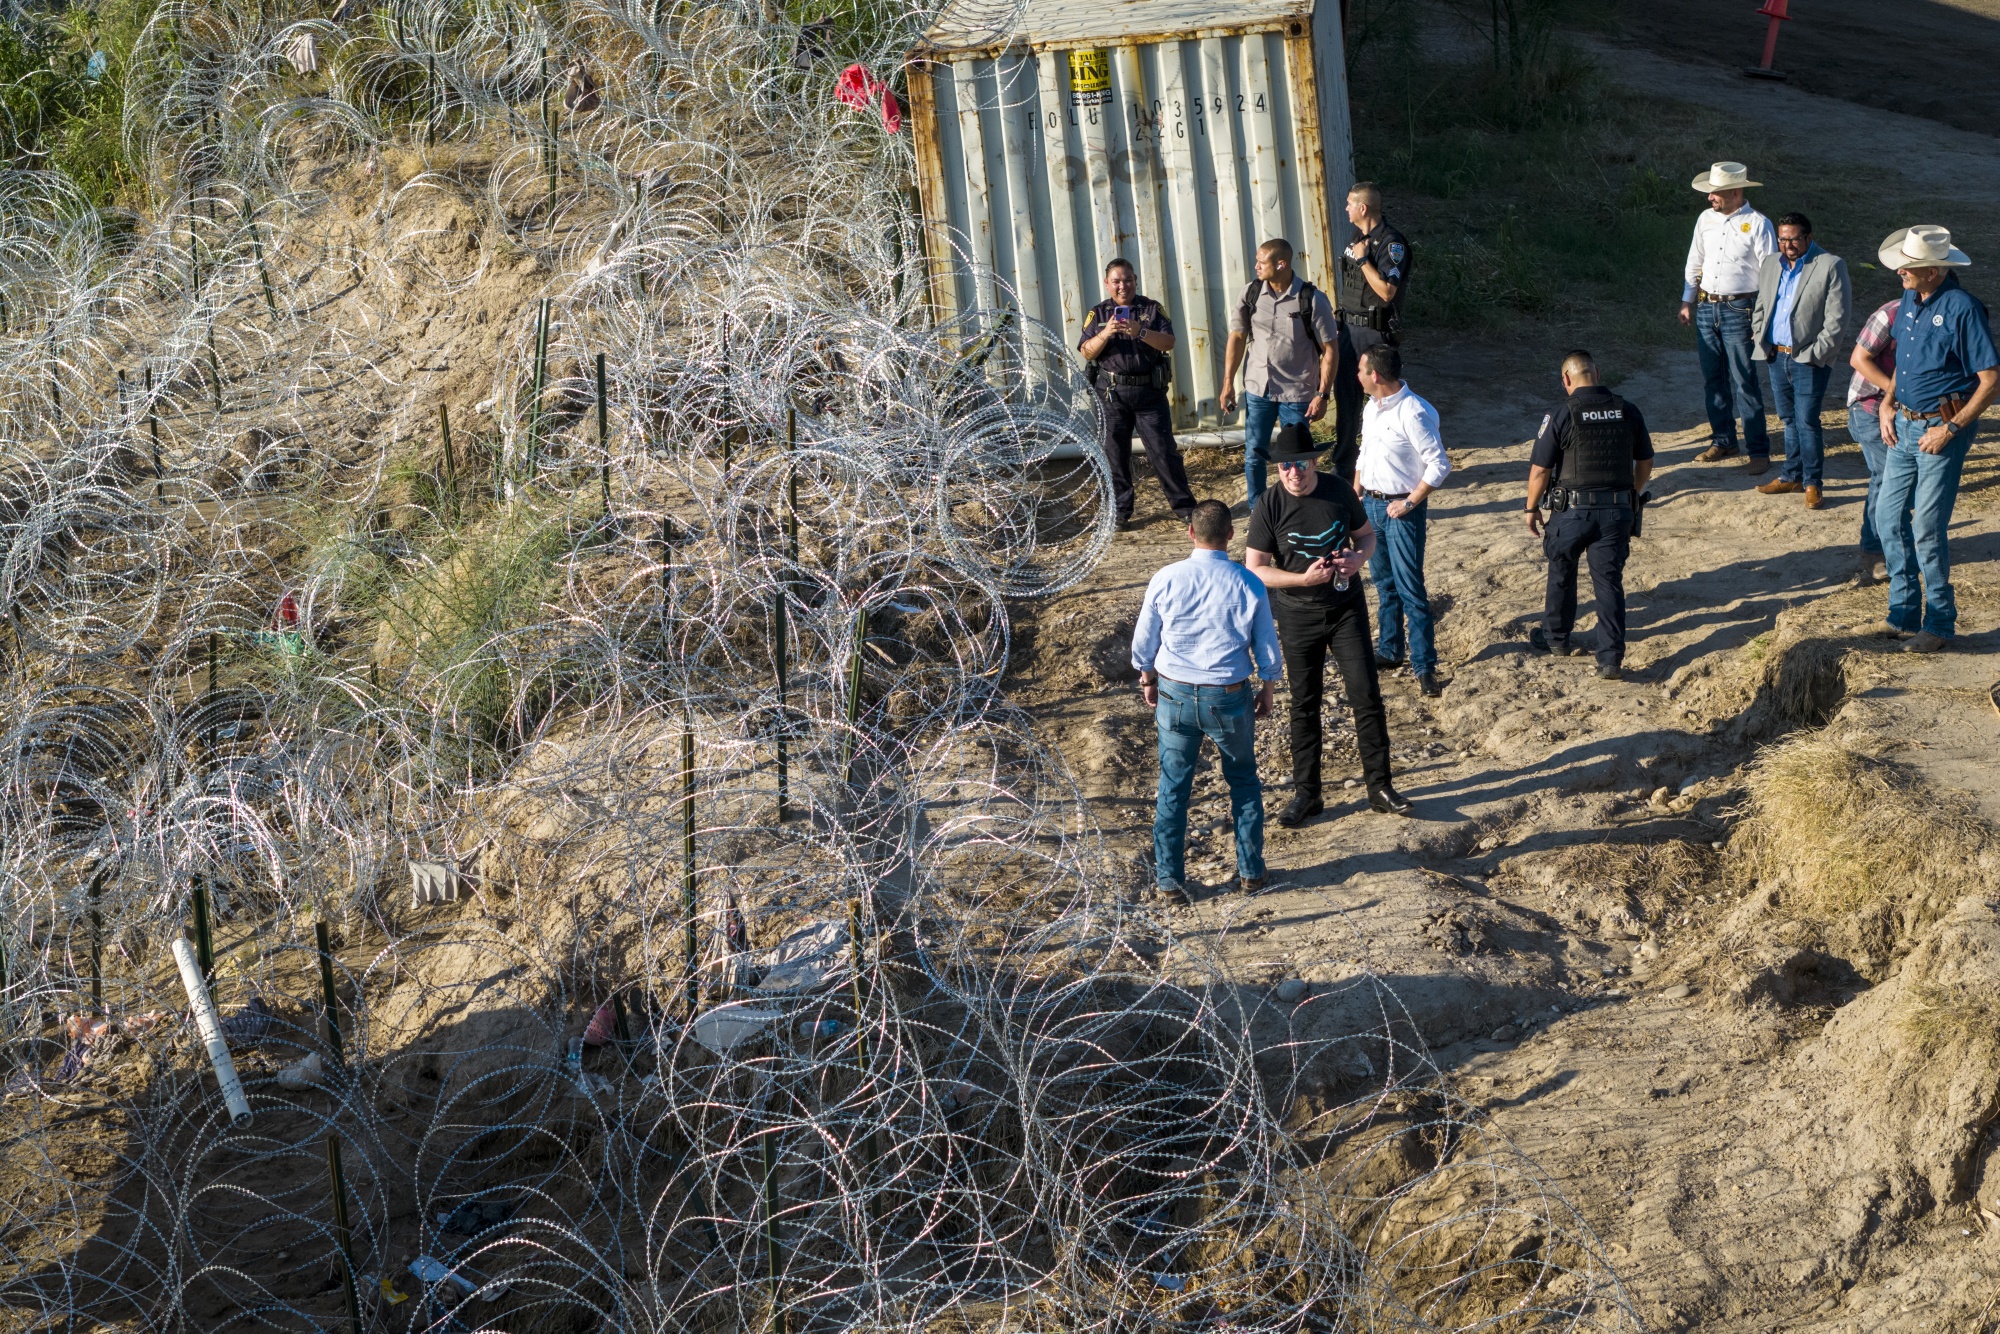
1205, 623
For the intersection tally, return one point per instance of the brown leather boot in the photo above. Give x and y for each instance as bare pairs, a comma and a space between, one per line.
1779, 487
1813, 500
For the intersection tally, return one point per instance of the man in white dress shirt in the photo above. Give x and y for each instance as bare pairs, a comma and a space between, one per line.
1402, 461
1718, 297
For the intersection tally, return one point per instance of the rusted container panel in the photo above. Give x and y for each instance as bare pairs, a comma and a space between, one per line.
1174, 134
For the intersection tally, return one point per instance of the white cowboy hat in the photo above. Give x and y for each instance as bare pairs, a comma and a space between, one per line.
1924, 246
1725, 176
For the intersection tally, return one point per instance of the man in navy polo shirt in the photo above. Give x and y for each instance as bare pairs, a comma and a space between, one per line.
1947, 371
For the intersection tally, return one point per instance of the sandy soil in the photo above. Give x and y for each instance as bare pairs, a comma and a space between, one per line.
1850, 49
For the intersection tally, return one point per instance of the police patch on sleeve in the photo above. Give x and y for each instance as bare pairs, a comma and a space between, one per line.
1396, 252
1547, 418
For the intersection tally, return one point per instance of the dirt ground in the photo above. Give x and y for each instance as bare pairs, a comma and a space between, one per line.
1716, 1130
1858, 50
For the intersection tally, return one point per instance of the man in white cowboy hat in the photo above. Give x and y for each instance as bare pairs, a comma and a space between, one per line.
1947, 371
1717, 297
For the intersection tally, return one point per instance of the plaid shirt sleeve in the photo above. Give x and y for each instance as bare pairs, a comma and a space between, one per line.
1877, 341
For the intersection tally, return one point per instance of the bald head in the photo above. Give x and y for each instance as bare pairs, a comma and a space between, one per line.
1579, 369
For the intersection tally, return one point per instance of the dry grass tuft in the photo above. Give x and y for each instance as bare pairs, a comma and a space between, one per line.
1840, 833
1952, 1018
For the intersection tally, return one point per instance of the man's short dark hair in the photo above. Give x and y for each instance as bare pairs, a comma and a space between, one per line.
1580, 365
1211, 522
1385, 361
1121, 263
1368, 190
1278, 248
1798, 220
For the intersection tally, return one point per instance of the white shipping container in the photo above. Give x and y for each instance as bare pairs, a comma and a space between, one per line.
1178, 134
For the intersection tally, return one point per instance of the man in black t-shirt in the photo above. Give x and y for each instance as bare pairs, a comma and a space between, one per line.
1309, 540
1591, 461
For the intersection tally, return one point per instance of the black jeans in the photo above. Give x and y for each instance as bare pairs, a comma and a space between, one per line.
1606, 533
1127, 408
1349, 399
1307, 637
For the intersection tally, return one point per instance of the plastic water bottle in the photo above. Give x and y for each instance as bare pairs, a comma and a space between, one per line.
828, 1028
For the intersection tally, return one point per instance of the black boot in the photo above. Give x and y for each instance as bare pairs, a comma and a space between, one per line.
1302, 809
1389, 801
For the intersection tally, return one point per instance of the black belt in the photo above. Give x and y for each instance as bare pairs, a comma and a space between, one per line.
1133, 382
1594, 499
1736, 296
1244, 684
1386, 495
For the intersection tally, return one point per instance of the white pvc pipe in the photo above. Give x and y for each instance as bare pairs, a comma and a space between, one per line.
206, 1020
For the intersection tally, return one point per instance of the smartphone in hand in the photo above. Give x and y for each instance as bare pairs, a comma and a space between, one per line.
1122, 314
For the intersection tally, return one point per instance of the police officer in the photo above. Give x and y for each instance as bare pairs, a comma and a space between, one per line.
1375, 273
1126, 339
1591, 461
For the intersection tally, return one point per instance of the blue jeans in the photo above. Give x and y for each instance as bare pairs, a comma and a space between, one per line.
1261, 417
1722, 338
1797, 391
1397, 567
1866, 429
1185, 715
1912, 513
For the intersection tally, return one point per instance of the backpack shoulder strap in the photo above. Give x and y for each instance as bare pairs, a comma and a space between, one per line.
1247, 307
1307, 294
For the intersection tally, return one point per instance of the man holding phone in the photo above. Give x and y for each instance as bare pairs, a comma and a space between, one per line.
1126, 341
1309, 539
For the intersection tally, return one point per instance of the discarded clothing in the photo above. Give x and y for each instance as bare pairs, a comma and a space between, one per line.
864, 92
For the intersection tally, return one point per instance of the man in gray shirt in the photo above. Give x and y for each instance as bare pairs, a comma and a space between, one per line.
1288, 328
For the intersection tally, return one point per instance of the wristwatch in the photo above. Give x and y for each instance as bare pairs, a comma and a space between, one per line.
1953, 427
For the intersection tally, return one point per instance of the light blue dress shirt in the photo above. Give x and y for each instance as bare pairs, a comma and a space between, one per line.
1202, 620
1788, 290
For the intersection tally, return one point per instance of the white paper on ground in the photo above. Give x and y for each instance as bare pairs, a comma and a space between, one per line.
728, 1026
813, 956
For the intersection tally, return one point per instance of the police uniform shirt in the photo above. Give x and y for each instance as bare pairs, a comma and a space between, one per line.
1941, 346
1557, 427
1297, 530
1124, 354
1390, 254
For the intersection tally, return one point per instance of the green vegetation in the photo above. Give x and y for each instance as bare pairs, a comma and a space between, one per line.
62, 113
1537, 194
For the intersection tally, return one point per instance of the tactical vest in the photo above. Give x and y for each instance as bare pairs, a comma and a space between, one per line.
1599, 451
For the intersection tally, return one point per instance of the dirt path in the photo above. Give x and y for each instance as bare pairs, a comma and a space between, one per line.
1855, 50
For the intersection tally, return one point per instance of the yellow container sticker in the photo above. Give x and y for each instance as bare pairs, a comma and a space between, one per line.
1089, 71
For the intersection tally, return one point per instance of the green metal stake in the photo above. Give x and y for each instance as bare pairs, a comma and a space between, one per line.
208, 705
603, 436
853, 689
257, 248
781, 650
688, 904
97, 941
153, 425
771, 1265
204, 939
331, 997
541, 380
341, 1232
450, 458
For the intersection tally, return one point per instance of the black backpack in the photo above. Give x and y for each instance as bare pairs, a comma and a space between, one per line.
1307, 295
